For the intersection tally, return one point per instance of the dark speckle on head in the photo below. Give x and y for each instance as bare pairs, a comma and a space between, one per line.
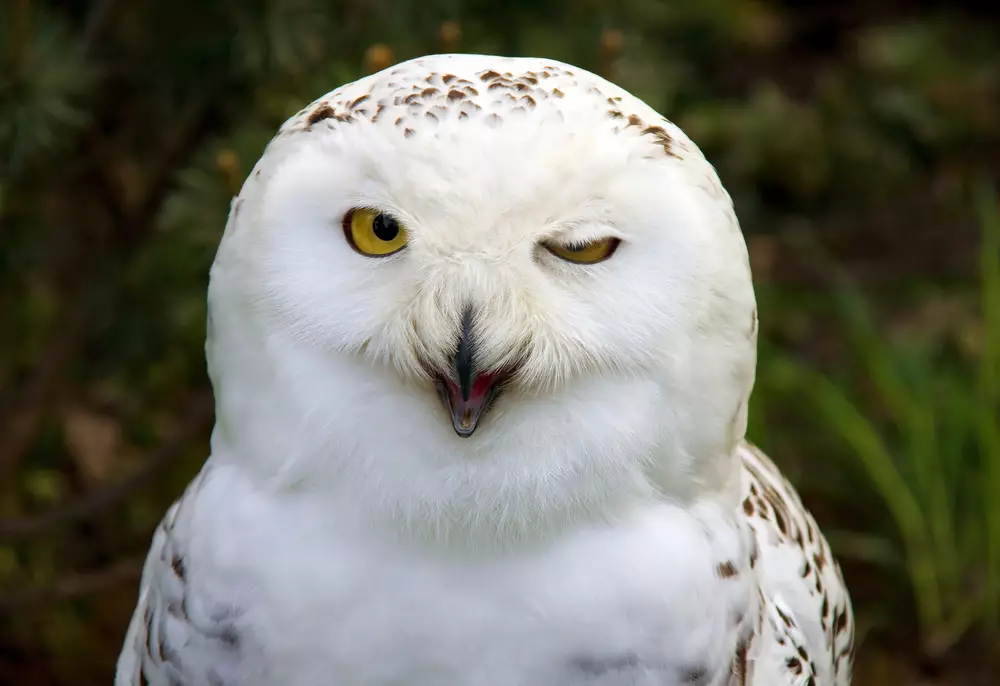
322, 112
661, 137
493, 93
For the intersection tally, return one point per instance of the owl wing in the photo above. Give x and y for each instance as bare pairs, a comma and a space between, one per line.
176, 638
806, 635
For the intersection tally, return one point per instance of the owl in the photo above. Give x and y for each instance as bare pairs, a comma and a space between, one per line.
482, 335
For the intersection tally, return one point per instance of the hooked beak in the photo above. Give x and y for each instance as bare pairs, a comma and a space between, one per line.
468, 394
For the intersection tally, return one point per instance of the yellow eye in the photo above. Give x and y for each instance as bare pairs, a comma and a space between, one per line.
585, 253
374, 234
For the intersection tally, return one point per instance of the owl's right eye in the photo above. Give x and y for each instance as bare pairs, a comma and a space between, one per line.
374, 234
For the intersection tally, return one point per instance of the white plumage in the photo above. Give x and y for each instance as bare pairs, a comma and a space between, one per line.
604, 523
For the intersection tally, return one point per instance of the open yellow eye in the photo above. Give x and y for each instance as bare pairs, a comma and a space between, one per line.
374, 234
585, 253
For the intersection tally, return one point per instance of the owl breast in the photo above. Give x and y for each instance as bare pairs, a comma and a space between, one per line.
663, 597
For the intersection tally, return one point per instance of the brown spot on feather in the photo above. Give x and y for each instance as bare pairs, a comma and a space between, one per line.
740, 663
177, 564
322, 112
662, 138
726, 570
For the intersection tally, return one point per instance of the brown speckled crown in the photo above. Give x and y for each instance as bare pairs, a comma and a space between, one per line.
416, 96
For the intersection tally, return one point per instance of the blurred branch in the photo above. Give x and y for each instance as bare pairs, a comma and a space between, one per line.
21, 425
19, 27
194, 127
197, 418
73, 586
23, 415
98, 21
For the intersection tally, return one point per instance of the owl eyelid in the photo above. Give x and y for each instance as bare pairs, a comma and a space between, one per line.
580, 243
554, 249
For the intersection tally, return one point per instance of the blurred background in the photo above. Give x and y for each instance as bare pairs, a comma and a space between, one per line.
860, 141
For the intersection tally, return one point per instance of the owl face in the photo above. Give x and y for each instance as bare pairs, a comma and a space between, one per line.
550, 287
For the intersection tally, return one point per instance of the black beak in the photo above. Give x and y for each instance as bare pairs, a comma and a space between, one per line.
468, 394
464, 363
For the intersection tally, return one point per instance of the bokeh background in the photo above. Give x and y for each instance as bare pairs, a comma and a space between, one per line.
860, 141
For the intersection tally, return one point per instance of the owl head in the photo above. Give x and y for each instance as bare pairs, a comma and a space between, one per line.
482, 294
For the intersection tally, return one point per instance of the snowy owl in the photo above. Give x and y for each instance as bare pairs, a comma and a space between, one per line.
482, 335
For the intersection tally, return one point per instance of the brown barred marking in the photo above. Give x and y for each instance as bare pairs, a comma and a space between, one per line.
740, 664
177, 564
726, 570
778, 518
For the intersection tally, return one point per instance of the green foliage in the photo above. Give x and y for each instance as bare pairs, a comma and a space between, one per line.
43, 82
923, 424
988, 400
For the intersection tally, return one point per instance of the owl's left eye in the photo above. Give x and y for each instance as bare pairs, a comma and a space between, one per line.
585, 253
374, 234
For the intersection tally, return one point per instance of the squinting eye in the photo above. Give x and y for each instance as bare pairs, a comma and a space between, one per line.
374, 234
585, 253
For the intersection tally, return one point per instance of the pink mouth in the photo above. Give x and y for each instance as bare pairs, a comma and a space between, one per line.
466, 412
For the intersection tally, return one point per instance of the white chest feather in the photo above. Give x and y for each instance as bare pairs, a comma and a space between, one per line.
660, 597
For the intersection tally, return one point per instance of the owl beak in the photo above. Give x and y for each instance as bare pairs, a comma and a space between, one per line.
469, 394
468, 408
